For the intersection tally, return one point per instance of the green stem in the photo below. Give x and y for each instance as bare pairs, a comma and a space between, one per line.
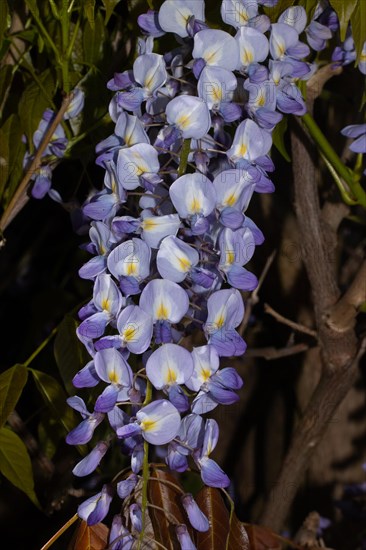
73, 39
145, 471
65, 39
44, 31
184, 157
40, 347
345, 196
332, 157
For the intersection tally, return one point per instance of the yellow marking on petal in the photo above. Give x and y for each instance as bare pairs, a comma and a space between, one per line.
171, 376
243, 17
210, 56
195, 205
217, 93
102, 249
106, 304
184, 264
230, 200
162, 312
220, 321
128, 333
148, 425
247, 57
205, 374
131, 268
149, 224
363, 57
230, 257
242, 150
113, 377
261, 100
183, 121
113, 184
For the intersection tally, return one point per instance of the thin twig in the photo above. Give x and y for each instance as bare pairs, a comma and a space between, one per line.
285, 321
271, 353
59, 532
254, 298
19, 198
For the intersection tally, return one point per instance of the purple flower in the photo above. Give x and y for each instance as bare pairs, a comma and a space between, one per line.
158, 423
95, 509
174, 15
211, 473
216, 48
225, 312
84, 431
176, 259
184, 538
190, 115
358, 133
196, 517
88, 464
125, 487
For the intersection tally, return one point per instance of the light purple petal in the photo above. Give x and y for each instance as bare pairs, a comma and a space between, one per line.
190, 115
164, 300
88, 464
196, 517
159, 422
170, 364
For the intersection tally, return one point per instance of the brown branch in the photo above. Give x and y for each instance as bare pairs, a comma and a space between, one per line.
271, 353
342, 316
318, 240
285, 321
20, 198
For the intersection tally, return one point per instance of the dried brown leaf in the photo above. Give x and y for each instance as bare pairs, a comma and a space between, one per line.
167, 497
238, 537
90, 538
211, 503
262, 538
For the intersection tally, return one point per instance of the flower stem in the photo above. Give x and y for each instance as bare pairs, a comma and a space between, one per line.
145, 472
59, 532
325, 147
65, 45
186, 148
40, 348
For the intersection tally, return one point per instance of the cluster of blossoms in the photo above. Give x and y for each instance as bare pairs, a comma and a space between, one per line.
170, 237
56, 148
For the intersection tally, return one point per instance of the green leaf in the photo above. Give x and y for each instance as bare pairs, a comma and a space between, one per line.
278, 136
34, 102
17, 149
344, 10
275, 12
89, 6
50, 433
93, 39
4, 11
15, 463
109, 6
4, 160
309, 6
69, 352
12, 382
358, 22
55, 399
5, 80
